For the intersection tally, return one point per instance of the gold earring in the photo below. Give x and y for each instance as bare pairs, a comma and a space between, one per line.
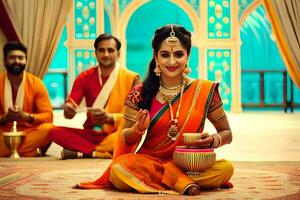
187, 70
157, 70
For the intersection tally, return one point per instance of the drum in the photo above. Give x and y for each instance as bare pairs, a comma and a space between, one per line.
193, 161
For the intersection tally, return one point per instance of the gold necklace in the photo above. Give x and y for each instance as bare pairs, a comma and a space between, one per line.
168, 95
195, 98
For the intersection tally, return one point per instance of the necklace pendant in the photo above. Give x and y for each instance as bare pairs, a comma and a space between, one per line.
173, 131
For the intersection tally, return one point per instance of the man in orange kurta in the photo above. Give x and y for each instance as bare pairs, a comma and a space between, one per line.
24, 99
104, 88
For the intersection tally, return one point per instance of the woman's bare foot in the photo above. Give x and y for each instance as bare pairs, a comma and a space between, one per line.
77, 186
193, 191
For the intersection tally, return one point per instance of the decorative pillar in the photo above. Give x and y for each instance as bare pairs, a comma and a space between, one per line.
221, 49
83, 27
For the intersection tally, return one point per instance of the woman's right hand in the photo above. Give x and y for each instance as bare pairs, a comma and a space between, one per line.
143, 121
132, 134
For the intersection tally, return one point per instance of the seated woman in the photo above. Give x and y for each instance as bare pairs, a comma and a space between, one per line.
158, 112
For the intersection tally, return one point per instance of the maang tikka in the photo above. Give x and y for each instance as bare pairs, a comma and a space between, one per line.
172, 40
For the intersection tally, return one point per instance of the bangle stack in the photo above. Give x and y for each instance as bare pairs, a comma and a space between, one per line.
217, 141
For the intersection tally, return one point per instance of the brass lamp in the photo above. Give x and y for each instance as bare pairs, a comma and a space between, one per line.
13, 140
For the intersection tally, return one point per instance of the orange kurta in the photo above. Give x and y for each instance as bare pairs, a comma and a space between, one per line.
36, 102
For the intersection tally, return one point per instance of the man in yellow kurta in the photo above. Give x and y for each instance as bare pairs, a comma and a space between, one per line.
24, 99
105, 88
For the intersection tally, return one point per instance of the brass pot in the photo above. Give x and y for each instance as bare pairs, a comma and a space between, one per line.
12, 141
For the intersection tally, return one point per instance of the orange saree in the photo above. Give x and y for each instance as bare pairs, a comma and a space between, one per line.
150, 169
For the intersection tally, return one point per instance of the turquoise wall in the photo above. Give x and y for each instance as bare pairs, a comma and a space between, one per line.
141, 28
258, 51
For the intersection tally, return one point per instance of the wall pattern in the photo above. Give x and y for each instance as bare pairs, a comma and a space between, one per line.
85, 19
84, 59
219, 25
219, 69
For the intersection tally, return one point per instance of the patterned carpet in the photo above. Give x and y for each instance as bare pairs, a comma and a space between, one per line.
50, 178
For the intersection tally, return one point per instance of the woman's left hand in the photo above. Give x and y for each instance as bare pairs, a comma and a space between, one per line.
205, 141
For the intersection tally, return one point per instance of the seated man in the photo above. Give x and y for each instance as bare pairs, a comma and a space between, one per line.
24, 99
105, 88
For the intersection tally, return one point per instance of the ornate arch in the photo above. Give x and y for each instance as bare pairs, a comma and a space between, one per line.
248, 11
134, 5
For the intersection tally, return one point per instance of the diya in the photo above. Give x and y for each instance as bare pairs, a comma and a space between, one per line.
13, 140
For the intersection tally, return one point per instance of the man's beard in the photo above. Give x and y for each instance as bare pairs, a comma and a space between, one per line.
15, 69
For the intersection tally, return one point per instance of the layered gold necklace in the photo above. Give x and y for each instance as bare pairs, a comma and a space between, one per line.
168, 94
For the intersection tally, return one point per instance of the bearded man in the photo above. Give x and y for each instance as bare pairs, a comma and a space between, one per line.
24, 99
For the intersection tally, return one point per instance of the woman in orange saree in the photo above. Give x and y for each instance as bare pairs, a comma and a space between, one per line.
157, 114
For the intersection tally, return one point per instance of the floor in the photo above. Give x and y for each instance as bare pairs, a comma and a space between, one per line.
257, 136
49, 178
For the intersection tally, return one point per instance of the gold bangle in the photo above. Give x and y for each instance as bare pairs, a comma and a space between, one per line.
220, 139
212, 143
129, 118
130, 113
216, 142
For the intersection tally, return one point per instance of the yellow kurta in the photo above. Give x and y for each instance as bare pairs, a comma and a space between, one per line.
36, 102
